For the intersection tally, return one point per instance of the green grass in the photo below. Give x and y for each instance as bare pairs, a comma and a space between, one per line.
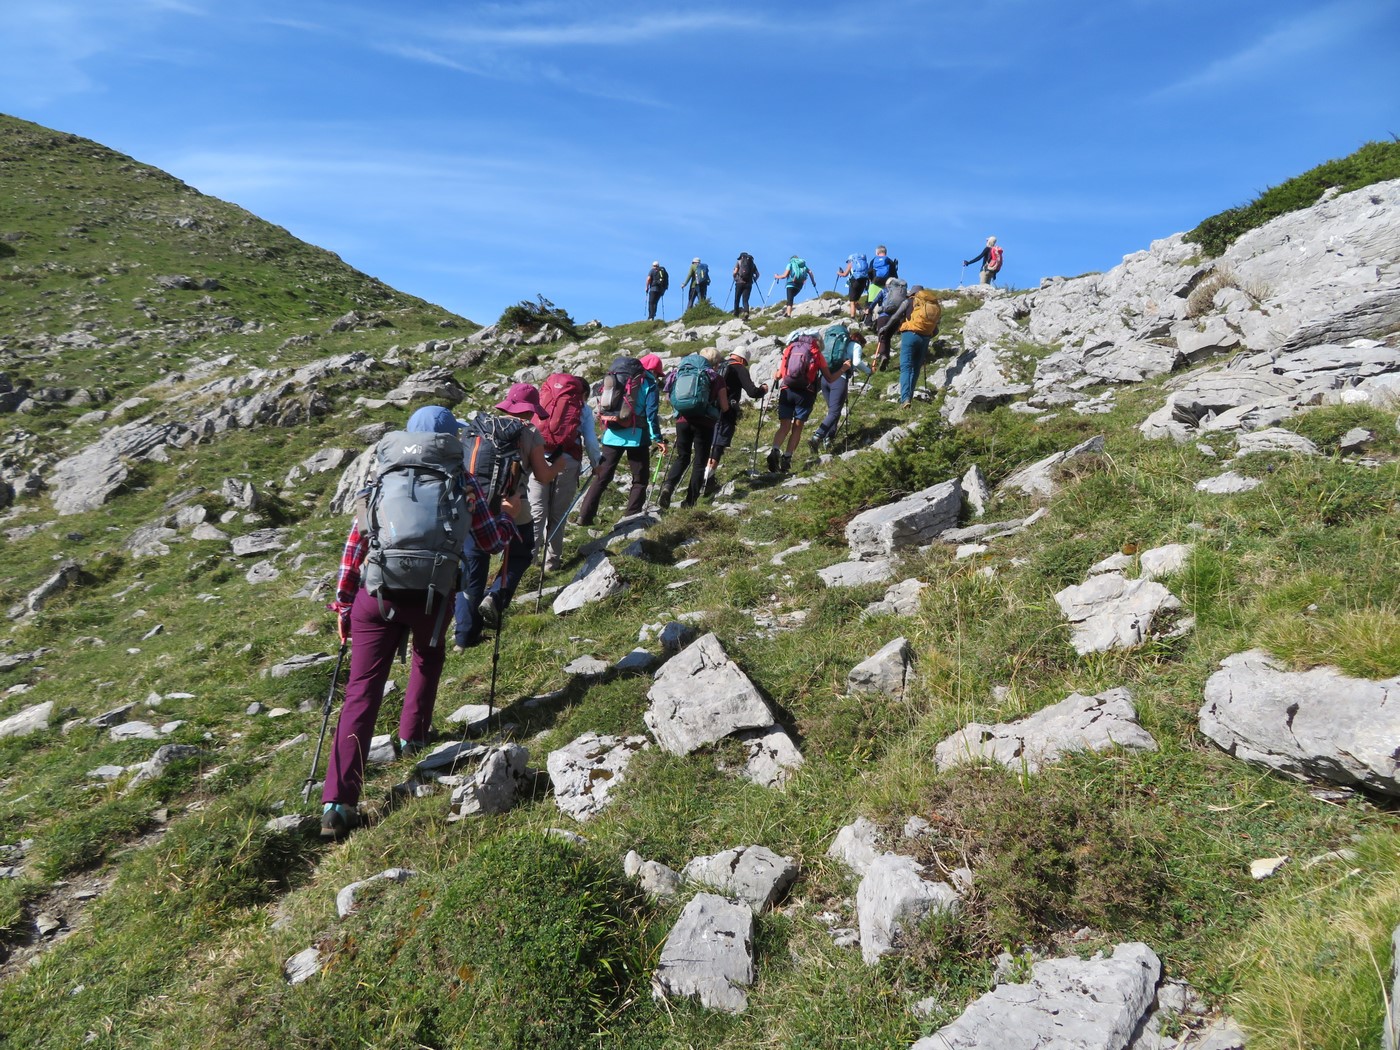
1373, 162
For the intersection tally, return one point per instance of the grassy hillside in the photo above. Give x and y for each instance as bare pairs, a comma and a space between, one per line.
177, 908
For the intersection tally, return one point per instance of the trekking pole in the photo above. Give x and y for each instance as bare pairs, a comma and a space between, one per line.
962, 274
544, 543
495, 646
753, 459
770, 288
761, 299
325, 721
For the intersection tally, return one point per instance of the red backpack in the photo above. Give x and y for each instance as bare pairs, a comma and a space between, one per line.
562, 396
994, 258
800, 369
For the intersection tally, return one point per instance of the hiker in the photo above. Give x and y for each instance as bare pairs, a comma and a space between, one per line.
568, 430
657, 283
737, 381
745, 273
857, 275
794, 277
699, 397
797, 381
990, 260
841, 347
380, 625
629, 430
918, 327
891, 307
519, 444
882, 267
697, 278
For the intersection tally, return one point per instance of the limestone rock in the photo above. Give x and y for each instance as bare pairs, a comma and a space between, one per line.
597, 580
345, 899
893, 896
1038, 479
1275, 439
1077, 723
301, 966
32, 719
1112, 612
754, 874
772, 756
586, 770
903, 599
1067, 1003
701, 696
856, 845
708, 955
856, 573
655, 878
976, 492
67, 576
1227, 484
911, 522
1313, 725
495, 786
886, 673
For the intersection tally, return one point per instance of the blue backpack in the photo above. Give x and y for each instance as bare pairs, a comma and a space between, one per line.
860, 266
702, 273
884, 267
690, 386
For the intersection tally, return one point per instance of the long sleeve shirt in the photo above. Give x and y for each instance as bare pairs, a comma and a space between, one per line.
588, 431
491, 533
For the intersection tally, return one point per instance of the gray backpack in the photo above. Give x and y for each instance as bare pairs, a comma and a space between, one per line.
896, 291
416, 517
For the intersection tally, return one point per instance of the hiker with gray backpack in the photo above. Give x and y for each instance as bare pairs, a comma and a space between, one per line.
400, 568
699, 397
890, 308
502, 452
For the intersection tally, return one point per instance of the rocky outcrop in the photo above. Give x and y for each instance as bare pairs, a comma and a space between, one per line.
754, 874
701, 696
886, 673
911, 522
708, 955
1096, 1002
892, 898
1111, 611
1314, 725
1076, 723
597, 580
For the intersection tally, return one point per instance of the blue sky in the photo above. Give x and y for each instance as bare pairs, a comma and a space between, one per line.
478, 153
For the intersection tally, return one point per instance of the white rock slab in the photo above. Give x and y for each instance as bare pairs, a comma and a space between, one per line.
585, 771
31, 720
598, 579
754, 874
772, 756
857, 573
893, 896
911, 522
1227, 484
345, 899
495, 786
1038, 478
701, 696
301, 966
708, 955
1076, 723
886, 673
1313, 725
856, 845
1113, 612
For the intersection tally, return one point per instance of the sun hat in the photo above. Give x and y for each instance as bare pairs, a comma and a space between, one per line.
523, 398
741, 352
652, 363
696, 259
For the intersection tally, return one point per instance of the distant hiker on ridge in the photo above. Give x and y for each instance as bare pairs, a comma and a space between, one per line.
857, 274
794, 277
381, 609
745, 273
630, 411
990, 259
882, 267
697, 279
658, 280
699, 397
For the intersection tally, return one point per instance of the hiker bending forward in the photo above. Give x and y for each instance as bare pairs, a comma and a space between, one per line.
634, 442
797, 377
378, 626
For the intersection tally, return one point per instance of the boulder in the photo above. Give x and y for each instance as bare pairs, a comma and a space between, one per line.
587, 769
701, 696
597, 580
1070, 1003
498, 782
772, 755
655, 878
1077, 723
1227, 484
857, 845
1275, 439
67, 576
892, 897
1313, 725
1038, 479
886, 673
903, 599
1111, 611
911, 522
301, 966
345, 899
856, 573
32, 719
754, 874
976, 491
708, 955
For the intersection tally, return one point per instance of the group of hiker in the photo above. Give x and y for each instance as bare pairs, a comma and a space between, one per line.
865, 279
445, 496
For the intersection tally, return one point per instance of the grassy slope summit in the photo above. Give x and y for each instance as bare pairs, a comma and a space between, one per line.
177, 907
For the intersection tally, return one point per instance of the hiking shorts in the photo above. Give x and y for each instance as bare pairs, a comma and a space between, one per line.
794, 404
858, 287
724, 431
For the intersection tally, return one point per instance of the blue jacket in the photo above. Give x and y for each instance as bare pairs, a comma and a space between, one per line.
648, 409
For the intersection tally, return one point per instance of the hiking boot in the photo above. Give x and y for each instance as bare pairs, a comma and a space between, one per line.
905, 404
814, 442
410, 748
786, 465
553, 564
338, 820
664, 500
772, 460
490, 615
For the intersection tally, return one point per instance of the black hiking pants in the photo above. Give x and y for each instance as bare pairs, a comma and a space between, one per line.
693, 440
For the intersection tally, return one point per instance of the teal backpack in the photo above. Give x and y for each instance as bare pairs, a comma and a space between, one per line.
690, 386
836, 345
798, 268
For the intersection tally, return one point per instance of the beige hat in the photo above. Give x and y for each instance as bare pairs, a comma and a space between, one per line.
741, 352
696, 259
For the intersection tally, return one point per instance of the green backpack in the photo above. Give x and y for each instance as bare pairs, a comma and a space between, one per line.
799, 272
836, 345
690, 386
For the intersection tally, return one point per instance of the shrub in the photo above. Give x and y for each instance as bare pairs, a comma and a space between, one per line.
529, 318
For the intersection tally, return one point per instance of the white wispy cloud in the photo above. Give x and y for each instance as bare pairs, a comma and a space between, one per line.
1286, 44
643, 28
